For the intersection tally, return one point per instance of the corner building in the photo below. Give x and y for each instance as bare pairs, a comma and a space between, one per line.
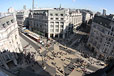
53, 22
101, 39
10, 43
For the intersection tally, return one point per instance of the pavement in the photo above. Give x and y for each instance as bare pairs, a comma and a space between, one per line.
58, 59
29, 41
75, 73
26, 42
31, 46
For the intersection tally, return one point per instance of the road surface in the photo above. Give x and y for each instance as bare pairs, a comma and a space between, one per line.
36, 46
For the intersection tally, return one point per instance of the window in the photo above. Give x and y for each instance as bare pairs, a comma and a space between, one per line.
51, 26
51, 14
61, 30
52, 23
111, 33
51, 30
112, 29
7, 23
51, 18
34, 23
61, 26
62, 23
61, 14
57, 26
4, 51
15, 36
3, 25
57, 23
57, 30
109, 39
56, 18
61, 18
56, 14
12, 20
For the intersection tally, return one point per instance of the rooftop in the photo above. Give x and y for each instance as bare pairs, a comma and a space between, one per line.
105, 21
4, 15
6, 20
49, 9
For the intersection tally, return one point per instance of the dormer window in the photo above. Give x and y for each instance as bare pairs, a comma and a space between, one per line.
12, 21
51, 18
56, 18
56, 14
7, 23
61, 14
4, 51
51, 14
3, 25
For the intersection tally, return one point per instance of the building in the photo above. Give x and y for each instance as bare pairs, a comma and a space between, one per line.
111, 16
9, 40
87, 15
106, 71
22, 16
98, 13
104, 12
54, 22
11, 10
75, 18
101, 38
5, 72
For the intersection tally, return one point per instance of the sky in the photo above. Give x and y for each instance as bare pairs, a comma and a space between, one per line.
94, 5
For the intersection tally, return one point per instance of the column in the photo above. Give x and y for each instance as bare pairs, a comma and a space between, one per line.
49, 29
48, 35
54, 35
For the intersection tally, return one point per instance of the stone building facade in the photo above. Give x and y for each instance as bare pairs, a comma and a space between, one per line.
101, 38
9, 40
87, 15
21, 16
75, 18
53, 22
